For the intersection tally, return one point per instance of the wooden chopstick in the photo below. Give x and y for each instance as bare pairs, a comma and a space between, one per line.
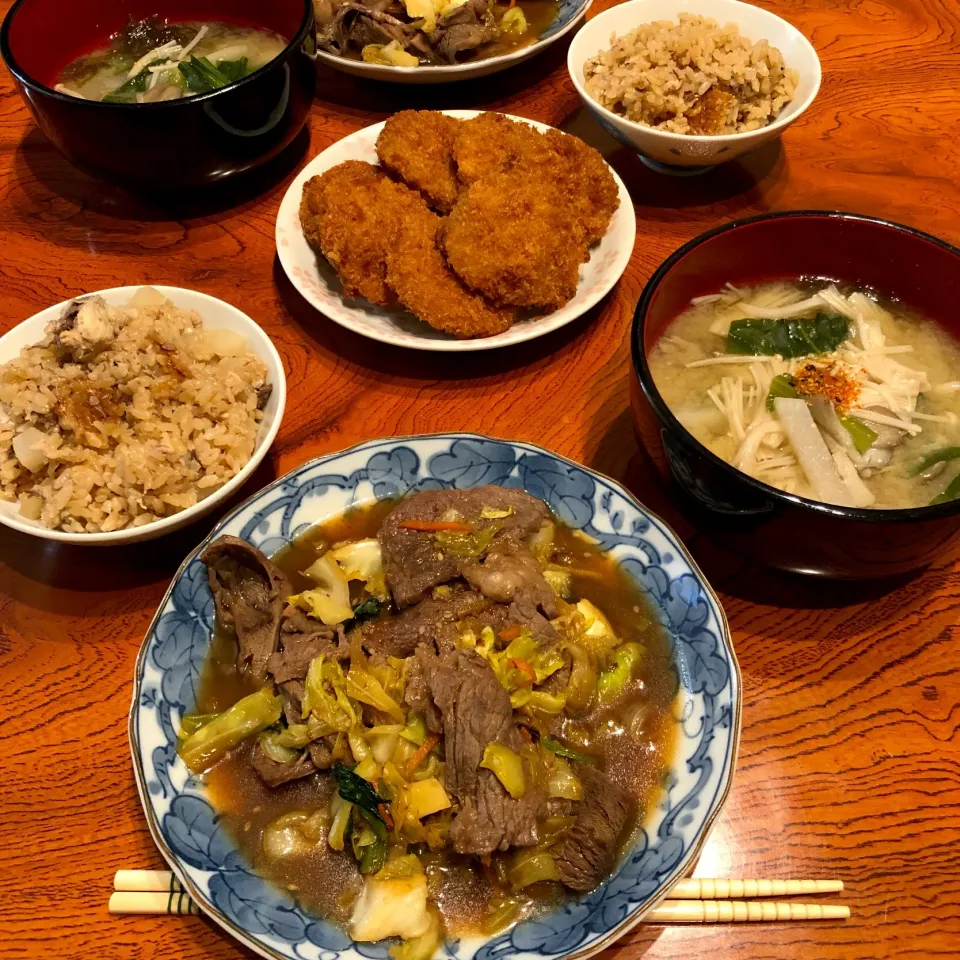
691, 889
692, 901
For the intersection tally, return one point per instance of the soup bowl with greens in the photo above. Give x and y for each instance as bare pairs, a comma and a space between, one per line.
164, 95
796, 381
439, 696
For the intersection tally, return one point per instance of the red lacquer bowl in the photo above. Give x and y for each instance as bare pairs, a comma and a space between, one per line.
179, 144
760, 521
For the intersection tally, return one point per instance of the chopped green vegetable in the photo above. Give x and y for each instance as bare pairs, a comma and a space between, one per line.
951, 493
507, 766
788, 338
532, 866
276, 751
514, 22
325, 695
781, 386
201, 75
416, 729
245, 718
233, 70
459, 544
554, 746
583, 678
367, 610
943, 455
366, 800
613, 680
365, 687
863, 436
192, 722
127, 92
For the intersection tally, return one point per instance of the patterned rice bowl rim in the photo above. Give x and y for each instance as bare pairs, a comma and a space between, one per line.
707, 709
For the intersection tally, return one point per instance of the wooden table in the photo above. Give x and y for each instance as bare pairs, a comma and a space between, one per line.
850, 757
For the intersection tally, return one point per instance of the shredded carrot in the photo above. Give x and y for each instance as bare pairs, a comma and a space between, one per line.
385, 813
511, 4
422, 752
436, 526
526, 668
511, 632
525, 735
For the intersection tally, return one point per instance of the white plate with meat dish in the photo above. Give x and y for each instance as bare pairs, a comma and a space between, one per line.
517, 652
467, 39
318, 283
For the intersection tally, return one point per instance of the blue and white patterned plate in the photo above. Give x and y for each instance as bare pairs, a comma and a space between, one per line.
185, 825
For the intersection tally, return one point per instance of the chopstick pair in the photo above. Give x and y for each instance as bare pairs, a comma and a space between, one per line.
689, 901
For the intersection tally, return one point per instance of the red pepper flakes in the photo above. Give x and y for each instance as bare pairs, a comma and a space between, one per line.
811, 380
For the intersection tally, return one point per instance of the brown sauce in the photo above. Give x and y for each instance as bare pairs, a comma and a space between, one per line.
635, 740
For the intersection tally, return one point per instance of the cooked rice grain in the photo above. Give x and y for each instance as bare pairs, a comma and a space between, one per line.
692, 77
149, 417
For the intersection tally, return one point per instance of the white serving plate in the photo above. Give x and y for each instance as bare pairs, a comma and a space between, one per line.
216, 315
317, 283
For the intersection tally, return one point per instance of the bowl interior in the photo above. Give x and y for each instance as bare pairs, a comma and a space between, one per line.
755, 23
46, 35
184, 824
895, 261
217, 315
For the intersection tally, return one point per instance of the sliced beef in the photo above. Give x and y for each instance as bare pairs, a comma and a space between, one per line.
302, 639
320, 754
291, 693
429, 620
476, 711
511, 570
273, 773
421, 668
250, 594
355, 25
414, 561
589, 851
469, 26
522, 612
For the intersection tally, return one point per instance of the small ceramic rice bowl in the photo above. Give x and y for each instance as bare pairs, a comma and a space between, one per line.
685, 154
216, 315
185, 825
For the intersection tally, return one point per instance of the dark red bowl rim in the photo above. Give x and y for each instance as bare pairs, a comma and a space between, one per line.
11, 63
642, 372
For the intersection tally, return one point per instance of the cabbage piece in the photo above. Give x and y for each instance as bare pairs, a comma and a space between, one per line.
407, 865
560, 580
561, 780
626, 658
540, 701
598, 635
340, 810
294, 834
583, 678
388, 55
383, 741
391, 908
461, 544
425, 797
330, 600
513, 22
424, 10
362, 685
298, 735
415, 730
245, 718
326, 696
531, 866
277, 752
422, 947
507, 766
362, 560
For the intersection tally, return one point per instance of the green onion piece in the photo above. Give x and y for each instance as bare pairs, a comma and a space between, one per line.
943, 455
201, 75
781, 386
554, 746
233, 70
951, 493
863, 436
127, 92
367, 610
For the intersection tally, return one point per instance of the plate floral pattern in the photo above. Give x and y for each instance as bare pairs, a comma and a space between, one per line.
316, 282
185, 825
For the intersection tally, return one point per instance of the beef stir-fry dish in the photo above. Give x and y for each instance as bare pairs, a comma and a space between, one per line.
409, 33
432, 716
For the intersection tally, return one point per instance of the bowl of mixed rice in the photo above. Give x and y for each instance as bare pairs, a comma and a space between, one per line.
690, 84
128, 413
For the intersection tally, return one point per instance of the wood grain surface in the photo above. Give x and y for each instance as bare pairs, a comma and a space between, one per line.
850, 757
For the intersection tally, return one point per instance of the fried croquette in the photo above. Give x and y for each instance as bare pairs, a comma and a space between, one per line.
417, 147
492, 143
511, 238
589, 188
352, 214
428, 288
